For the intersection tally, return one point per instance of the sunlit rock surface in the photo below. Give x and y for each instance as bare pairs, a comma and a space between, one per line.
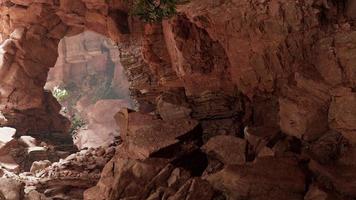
88, 68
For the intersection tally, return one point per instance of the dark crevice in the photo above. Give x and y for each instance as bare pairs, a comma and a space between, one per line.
121, 19
195, 162
188, 143
309, 177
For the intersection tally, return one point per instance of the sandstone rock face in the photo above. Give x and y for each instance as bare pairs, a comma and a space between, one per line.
276, 76
172, 107
32, 51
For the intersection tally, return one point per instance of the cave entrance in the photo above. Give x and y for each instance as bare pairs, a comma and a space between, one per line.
89, 82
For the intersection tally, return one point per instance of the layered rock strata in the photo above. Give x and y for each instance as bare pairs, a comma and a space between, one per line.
276, 77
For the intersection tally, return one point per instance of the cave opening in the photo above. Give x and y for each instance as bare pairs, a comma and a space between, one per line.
89, 82
237, 99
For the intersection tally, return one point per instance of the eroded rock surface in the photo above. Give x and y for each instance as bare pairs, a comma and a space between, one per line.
65, 179
276, 76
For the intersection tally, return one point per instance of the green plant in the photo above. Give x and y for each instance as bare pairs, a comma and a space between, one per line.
60, 94
76, 123
154, 10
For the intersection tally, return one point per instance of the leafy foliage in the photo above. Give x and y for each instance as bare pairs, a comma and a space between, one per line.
154, 10
77, 123
61, 94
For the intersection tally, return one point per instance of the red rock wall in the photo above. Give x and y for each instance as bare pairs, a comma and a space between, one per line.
32, 31
279, 74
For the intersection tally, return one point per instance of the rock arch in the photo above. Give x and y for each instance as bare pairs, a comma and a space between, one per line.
31, 31
274, 67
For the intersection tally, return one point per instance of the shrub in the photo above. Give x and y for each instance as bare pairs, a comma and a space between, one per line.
154, 10
60, 94
76, 123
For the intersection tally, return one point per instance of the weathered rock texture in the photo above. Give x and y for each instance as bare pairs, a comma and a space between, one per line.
280, 75
65, 179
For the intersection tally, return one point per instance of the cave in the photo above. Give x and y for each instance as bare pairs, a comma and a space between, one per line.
221, 100
89, 82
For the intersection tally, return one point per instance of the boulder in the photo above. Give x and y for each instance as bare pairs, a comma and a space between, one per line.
267, 178
302, 115
28, 141
143, 135
34, 195
328, 148
259, 137
67, 178
7, 139
8, 162
315, 193
129, 176
39, 165
11, 189
337, 176
151, 179
229, 150
194, 189
340, 173
342, 113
